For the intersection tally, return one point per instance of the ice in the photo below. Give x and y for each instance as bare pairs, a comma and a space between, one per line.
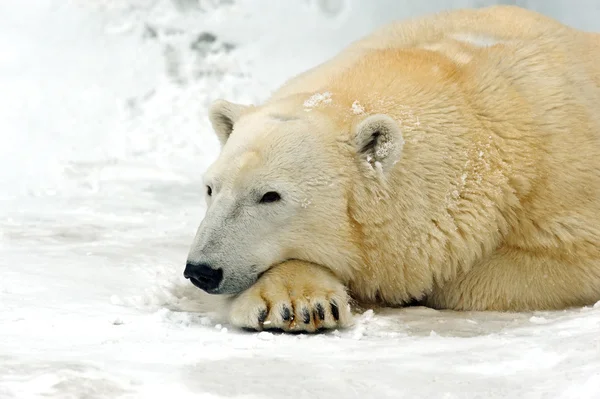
104, 139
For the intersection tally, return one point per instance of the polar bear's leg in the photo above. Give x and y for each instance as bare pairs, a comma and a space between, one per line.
293, 296
518, 280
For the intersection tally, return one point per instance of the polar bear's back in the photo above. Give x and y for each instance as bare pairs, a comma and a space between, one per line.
454, 33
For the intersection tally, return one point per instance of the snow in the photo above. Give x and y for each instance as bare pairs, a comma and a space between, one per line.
357, 109
104, 140
317, 99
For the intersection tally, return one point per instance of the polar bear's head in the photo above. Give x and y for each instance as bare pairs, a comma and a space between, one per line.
280, 190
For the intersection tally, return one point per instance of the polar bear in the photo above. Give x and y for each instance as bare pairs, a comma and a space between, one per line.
451, 160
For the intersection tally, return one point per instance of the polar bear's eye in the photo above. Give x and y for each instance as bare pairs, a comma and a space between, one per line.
208, 191
269, 197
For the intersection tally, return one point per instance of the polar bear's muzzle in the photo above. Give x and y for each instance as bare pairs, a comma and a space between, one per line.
203, 276
217, 280
229, 249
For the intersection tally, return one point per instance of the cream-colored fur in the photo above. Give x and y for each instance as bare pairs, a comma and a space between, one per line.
452, 159
294, 296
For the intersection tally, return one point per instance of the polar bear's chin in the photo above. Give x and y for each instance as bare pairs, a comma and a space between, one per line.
233, 285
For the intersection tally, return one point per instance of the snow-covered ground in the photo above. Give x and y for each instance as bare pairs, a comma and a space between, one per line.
103, 141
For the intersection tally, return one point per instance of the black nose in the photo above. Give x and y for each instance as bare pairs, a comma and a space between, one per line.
203, 276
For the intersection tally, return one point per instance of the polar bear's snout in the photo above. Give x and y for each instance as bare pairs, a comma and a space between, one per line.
203, 276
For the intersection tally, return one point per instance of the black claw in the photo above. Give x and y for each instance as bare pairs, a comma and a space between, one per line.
305, 316
262, 316
286, 314
335, 311
320, 311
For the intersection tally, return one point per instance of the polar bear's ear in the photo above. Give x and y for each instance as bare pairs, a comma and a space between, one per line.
223, 115
378, 139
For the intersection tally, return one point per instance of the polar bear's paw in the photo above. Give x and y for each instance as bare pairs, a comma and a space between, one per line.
294, 297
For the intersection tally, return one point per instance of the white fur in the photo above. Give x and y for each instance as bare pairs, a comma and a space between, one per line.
479, 192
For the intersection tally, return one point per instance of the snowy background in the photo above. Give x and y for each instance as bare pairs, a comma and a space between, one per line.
103, 140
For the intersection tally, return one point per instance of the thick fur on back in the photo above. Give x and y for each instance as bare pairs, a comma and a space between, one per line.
495, 201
